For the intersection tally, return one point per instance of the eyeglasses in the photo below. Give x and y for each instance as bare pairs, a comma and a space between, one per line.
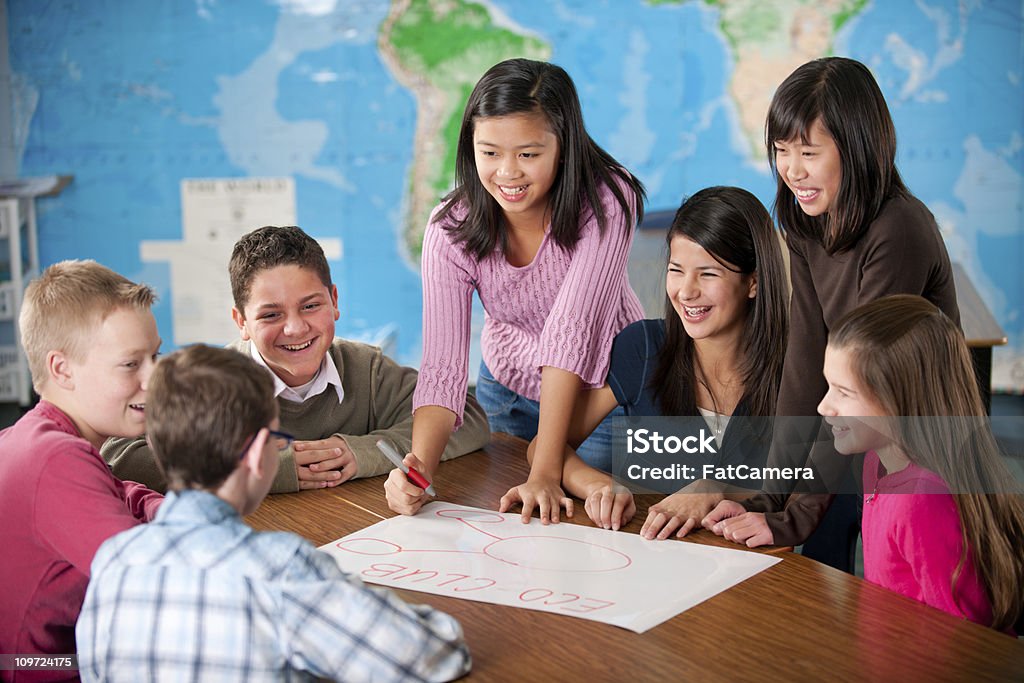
284, 441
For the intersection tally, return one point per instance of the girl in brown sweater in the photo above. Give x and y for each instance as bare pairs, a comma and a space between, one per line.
855, 234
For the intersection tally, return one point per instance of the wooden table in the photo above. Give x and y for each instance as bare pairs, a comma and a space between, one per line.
798, 620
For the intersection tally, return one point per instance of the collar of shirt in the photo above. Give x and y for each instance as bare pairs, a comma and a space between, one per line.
328, 375
195, 506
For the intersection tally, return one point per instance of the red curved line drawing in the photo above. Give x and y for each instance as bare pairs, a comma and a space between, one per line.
347, 543
623, 561
613, 560
486, 517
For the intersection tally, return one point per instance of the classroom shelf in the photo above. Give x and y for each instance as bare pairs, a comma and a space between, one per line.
18, 235
19, 263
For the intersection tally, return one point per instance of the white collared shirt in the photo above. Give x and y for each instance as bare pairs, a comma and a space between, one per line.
326, 375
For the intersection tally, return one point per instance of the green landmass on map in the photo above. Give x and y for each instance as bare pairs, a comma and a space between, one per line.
746, 21
767, 41
439, 49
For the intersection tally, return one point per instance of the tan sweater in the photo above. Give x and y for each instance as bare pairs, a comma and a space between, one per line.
378, 403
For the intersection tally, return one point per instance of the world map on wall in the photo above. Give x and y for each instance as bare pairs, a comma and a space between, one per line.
359, 103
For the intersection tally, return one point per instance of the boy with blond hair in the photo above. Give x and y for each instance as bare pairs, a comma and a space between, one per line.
337, 396
198, 595
91, 343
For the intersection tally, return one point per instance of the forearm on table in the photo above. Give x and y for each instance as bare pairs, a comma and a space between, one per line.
558, 392
579, 478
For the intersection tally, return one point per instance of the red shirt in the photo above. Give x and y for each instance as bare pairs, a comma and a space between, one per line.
58, 503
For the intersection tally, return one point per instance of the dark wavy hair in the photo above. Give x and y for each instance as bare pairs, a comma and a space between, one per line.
843, 94
524, 86
269, 247
733, 226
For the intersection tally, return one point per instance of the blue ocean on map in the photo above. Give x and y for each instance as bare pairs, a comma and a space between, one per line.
132, 98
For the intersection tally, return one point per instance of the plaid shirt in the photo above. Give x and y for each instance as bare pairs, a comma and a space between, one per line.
198, 595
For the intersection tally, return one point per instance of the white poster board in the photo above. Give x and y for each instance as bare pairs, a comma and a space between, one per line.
608, 576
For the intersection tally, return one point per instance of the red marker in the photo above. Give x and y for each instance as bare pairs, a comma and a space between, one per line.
415, 477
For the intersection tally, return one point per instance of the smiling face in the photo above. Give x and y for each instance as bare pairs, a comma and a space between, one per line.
853, 413
711, 300
290, 316
517, 161
812, 170
108, 385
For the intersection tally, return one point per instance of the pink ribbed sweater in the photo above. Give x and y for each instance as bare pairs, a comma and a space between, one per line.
562, 310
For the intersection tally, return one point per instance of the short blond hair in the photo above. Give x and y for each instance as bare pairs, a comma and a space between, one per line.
65, 304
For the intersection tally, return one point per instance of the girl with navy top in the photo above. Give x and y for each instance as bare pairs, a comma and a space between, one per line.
717, 354
539, 226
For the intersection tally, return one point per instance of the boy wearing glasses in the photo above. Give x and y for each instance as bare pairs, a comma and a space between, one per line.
198, 594
338, 397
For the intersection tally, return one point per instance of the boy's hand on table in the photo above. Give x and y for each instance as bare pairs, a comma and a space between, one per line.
323, 463
610, 506
403, 496
545, 495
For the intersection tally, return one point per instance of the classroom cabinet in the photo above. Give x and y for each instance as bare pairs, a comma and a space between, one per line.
19, 263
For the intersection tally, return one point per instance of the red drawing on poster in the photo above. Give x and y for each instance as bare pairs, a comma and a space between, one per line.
529, 551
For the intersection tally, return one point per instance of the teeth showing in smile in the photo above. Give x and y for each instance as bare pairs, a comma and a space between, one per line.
296, 347
137, 406
805, 193
694, 311
513, 191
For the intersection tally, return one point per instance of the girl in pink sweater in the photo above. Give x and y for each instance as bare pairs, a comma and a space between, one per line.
539, 226
943, 516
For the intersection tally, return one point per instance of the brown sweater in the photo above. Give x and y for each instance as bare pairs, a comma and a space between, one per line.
902, 252
378, 403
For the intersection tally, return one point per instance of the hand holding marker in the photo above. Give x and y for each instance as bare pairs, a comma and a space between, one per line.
415, 477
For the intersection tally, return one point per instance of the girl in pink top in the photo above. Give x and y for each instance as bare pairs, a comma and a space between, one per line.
539, 226
943, 516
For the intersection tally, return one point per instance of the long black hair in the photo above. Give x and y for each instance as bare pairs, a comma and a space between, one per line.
524, 86
734, 228
843, 94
